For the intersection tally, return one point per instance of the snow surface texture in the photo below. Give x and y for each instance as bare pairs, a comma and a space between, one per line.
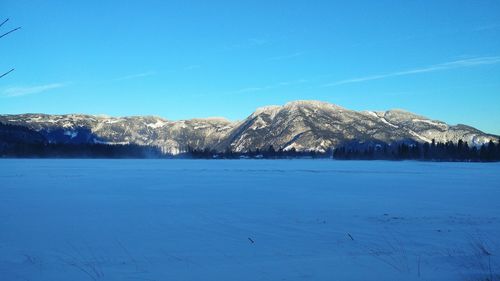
248, 220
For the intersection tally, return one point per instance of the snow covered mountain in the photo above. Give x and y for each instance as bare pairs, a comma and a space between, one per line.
302, 125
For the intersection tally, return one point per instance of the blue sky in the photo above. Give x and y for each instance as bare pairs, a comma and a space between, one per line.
185, 59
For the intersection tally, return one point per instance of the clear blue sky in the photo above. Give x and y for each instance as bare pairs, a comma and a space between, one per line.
184, 59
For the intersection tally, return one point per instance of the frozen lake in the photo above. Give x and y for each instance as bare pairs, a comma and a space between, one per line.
248, 220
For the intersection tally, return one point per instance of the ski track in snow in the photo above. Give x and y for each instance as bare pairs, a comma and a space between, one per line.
248, 220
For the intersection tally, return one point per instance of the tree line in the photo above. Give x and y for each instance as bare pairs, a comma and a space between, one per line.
20, 141
434, 151
269, 153
80, 150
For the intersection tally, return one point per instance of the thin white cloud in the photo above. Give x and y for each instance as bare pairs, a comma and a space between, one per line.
269, 87
437, 67
134, 76
285, 57
487, 27
249, 43
249, 90
30, 90
257, 41
192, 67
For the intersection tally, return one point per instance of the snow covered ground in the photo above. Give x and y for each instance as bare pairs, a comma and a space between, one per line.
248, 220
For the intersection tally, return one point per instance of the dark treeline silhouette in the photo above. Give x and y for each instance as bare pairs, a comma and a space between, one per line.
433, 151
21, 142
449, 151
269, 153
70, 150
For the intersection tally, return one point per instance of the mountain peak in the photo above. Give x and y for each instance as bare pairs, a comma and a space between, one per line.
304, 125
311, 103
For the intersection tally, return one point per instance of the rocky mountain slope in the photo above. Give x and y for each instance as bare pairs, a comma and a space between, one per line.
302, 125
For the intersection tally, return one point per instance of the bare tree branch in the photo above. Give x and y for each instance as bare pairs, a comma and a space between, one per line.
17, 28
4, 22
6, 73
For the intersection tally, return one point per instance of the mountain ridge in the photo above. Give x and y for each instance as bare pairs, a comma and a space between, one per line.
300, 125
